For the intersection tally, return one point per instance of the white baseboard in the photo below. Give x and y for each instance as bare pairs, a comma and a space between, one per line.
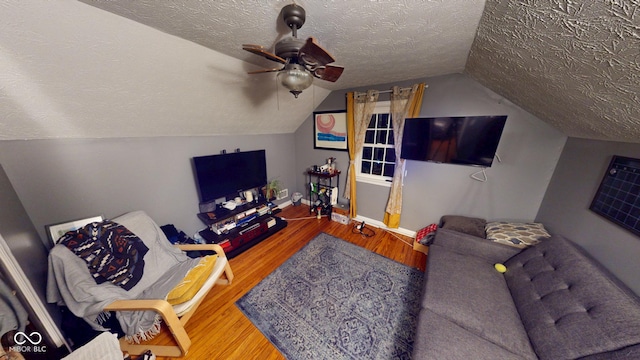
285, 204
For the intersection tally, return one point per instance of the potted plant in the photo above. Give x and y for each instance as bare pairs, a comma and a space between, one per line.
272, 189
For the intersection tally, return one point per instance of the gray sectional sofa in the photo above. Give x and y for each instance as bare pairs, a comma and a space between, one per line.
553, 302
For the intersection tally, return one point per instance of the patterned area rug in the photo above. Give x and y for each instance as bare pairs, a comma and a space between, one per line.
336, 300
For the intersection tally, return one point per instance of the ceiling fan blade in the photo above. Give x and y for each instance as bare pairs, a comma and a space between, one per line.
313, 54
264, 71
329, 72
260, 50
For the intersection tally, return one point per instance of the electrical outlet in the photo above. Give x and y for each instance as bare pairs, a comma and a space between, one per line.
282, 194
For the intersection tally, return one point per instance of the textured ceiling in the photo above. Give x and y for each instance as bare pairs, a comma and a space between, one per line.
376, 41
100, 70
574, 64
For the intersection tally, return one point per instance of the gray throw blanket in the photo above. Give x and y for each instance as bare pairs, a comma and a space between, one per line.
13, 316
70, 283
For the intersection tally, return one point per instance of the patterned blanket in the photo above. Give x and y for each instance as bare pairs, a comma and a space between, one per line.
111, 251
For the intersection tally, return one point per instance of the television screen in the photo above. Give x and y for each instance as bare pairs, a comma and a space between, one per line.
228, 174
465, 140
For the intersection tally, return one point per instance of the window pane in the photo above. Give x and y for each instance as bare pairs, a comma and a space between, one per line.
369, 137
377, 168
366, 167
383, 121
378, 154
381, 137
367, 153
372, 122
388, 170
391, 155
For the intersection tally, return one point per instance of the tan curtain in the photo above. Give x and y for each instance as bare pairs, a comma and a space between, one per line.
359, 109
404, 103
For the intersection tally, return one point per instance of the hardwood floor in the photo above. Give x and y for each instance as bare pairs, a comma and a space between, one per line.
218, 330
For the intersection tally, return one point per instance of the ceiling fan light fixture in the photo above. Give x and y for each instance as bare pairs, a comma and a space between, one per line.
295, 78
302, 60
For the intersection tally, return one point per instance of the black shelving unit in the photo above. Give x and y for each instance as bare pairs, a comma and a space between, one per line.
241, 244
248, 231
320, 188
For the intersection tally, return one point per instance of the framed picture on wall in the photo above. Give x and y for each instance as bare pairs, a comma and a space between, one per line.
330, 130
55, 231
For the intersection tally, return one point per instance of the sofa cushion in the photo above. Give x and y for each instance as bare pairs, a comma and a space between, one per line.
520, 235
464, 224
468, 291
440, 338
464, 244
569, 305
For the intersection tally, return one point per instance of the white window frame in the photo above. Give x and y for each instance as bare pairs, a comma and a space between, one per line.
382, 107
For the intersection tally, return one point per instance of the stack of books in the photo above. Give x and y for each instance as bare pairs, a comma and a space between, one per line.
262, 210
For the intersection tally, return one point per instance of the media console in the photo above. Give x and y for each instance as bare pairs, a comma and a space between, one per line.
241, 228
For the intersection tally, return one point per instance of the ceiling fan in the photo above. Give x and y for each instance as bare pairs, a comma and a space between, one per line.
301, 60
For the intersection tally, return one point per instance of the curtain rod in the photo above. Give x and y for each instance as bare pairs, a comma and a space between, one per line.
389, 91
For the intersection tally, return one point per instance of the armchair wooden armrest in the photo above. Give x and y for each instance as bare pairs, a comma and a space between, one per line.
218, 250
168, 316
200, 247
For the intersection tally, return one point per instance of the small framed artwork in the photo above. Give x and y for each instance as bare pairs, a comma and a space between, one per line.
55, 231
330, 130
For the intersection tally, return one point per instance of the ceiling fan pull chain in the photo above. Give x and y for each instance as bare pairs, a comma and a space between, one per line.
275, 79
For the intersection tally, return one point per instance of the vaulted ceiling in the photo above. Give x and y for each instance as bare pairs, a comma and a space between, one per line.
574, 64
376, 41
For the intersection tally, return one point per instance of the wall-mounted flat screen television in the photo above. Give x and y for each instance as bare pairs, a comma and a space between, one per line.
464, 140
228, 174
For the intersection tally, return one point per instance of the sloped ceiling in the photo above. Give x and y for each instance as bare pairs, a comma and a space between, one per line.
122, 68
69, 70
376, 41
574, 64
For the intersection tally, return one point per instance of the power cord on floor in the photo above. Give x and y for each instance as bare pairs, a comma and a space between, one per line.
365, 232
359, 228
398, 237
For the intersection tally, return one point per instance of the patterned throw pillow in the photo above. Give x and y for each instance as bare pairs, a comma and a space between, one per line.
519, 235
425, 235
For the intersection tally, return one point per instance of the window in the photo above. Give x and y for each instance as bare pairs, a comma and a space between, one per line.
378, 157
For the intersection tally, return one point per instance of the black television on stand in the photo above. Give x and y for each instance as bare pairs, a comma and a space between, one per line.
463, 140
228, 174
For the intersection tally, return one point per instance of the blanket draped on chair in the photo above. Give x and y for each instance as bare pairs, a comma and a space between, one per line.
111, 251
71, 284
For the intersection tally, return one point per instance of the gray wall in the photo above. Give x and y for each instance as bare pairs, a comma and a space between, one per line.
565, 209
66, 179
529, 150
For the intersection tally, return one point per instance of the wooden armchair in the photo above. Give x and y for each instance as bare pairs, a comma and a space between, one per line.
175, 321
68, 272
